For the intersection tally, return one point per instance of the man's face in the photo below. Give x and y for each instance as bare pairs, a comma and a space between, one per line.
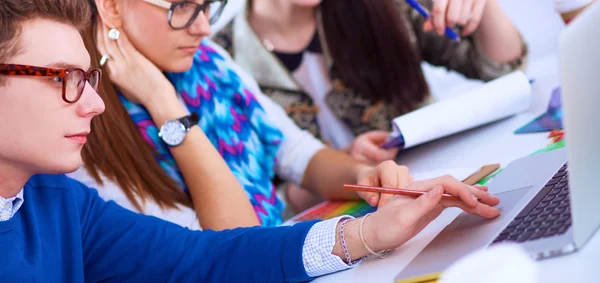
39, 132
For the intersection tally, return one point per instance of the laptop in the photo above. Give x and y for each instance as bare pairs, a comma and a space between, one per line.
549, 207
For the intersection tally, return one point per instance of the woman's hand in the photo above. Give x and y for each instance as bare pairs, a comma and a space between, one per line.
403, 217
388, 174
448, 13
366, 148
135, 76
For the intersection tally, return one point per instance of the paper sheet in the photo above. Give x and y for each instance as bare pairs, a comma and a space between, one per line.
497, 99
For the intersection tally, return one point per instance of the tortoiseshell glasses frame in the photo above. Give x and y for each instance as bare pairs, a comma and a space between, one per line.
73, 79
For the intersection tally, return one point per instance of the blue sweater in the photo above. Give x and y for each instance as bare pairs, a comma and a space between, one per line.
65, 232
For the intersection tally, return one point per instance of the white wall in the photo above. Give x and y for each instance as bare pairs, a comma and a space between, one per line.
538, 22
233, 6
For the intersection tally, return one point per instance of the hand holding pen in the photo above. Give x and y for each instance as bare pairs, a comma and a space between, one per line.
446, 14
472, 199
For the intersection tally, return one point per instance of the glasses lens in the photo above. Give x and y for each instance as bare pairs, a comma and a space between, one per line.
182, 14
94, 79
214, 11
74, 85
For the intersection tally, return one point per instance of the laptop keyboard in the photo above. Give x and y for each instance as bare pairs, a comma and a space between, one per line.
547, 214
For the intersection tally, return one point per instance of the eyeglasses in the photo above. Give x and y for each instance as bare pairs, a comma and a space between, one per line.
73, 80
183, 14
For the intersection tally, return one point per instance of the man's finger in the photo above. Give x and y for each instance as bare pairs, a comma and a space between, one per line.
424, 204
482, 210
485, 197
481, 188
451, 186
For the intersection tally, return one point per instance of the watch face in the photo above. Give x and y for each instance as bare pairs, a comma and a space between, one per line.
172, 132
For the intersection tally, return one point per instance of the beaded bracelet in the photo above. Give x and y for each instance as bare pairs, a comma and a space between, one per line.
343, 241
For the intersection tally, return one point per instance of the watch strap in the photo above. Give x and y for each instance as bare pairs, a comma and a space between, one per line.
189, 120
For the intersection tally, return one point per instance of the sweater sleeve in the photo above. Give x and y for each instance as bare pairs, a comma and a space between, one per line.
121, 246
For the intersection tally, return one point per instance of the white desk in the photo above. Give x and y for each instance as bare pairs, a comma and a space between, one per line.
494, 143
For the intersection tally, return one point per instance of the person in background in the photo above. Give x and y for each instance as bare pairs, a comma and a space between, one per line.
343, 69
57, 229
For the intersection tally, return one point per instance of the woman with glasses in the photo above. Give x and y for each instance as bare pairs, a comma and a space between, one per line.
187, 136
343, 69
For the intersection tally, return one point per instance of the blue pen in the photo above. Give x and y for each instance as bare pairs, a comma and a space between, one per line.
415, 5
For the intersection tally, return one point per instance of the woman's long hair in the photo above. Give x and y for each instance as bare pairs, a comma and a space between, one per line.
116, 149
372, 51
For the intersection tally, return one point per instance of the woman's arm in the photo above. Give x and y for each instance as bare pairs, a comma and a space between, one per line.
218, 198
496, 36
329, 170
491, 46
494, 32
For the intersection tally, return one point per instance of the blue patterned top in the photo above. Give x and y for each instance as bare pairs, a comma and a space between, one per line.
235, 123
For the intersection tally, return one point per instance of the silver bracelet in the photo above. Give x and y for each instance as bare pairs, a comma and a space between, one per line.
381, 254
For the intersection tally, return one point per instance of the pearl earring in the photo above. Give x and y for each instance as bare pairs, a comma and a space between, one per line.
114, 34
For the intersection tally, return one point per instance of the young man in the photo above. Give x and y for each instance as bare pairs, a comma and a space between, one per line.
54, 229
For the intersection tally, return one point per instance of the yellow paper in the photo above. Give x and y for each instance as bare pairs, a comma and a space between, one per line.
429, 278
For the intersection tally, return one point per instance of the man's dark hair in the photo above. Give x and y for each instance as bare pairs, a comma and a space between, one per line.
13, 13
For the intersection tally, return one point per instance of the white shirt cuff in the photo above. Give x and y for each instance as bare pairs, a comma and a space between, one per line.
318, 247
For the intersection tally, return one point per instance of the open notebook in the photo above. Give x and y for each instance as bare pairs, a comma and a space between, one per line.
493, 101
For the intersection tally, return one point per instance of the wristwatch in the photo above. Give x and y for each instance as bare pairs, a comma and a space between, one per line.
172, 132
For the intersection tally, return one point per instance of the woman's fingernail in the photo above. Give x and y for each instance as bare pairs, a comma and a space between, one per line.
373, 200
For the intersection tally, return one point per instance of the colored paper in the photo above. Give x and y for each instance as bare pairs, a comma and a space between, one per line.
550, 120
